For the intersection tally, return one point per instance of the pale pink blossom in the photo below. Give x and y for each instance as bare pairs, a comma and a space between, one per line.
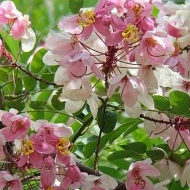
185, 175
136, 176
8, 12
103, 182
168, 170
16, 126
154, 48
79, 64
10, 181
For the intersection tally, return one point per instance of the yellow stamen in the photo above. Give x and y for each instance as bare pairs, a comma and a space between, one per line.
86, 18
27, 147
131, 33
63, 146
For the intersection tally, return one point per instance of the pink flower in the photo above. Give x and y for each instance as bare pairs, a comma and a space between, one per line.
52, 130
124, 31
97, 19
8, 12
136, 177
154, 48
48, 177
103, 182
80, 63
179, 134
131, 88
29, 156
17, 126
7, 180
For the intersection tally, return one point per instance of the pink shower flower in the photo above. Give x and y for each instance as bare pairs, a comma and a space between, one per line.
131, 88
10, 181
8, 12
16, 126
97, 19
136, 176
52, 130
29, 156
154, 49
124, 31
79, 64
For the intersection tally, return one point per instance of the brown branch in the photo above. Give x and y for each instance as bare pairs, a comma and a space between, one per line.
35, 77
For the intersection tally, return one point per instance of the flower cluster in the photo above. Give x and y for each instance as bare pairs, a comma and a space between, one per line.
17, 25
129, 50
122, 43
46, 150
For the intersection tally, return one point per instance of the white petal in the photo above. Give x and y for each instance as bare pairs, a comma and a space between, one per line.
72, 107
93, 103
51, 59
175, 170
28, 40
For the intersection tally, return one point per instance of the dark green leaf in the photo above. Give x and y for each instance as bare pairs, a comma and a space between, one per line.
121, 163
75, 5
124, 154
155, 154
138, 147
29, 83
18, 105
161, 103
129, 122
180, 102
58, 105
106, 120
37, 105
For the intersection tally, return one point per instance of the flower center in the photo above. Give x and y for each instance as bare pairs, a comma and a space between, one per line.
137, 9
27, 147
63, 146
151, 42
86, 18
131, 33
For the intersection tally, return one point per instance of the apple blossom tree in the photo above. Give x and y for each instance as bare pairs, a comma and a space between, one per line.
95, 95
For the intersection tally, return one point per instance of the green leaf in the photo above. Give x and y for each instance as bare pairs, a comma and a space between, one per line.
161, 103
180, 102
58, 105
37, 63
106, 120
125, 127
132, 127
37, 105
110, 171
155, 154
124, 154
88, 149
11, 44
75, 5
3, 76
18, 105
18, 86
138, 147
121, 163
29, 83
155, 11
